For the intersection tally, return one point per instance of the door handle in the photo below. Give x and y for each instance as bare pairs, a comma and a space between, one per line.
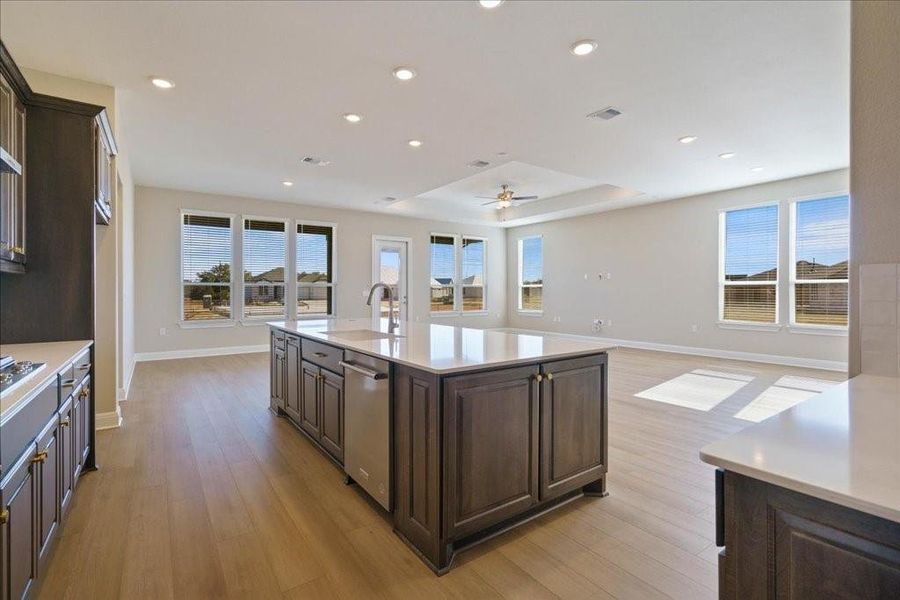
320, 354
370, 373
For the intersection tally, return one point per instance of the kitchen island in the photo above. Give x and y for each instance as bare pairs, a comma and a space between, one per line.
482, 430
808, 501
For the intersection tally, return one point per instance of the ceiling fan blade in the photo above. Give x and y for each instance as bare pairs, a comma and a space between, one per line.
489, 203
487, 197
525, 198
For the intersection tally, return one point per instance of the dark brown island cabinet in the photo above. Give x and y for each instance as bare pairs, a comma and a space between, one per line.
45, 445
778, 543
474, 452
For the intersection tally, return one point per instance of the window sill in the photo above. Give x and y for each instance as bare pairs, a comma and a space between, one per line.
314, 317
819, 330
445, 313
206, 324
746, 326
261, 320
474, 313
530, 313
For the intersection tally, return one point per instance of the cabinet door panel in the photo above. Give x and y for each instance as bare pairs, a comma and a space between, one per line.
292, 392
47, 478
573, 425
87, 407
77, 434
19, 539
309, 400
332, 391
491, 454
67, 459
278, 377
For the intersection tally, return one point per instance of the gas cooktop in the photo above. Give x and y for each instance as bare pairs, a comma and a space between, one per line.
15, 373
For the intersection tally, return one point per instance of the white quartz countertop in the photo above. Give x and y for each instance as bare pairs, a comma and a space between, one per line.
443, 348
842, 446
56, 354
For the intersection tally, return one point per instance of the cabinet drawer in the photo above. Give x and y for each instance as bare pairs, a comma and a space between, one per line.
278, 339
81, 366
325, 356
24, 426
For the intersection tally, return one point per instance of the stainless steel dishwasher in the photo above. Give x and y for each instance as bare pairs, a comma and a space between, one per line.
367, 406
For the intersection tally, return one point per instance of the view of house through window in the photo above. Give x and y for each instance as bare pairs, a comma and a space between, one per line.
443, 273
206, 254
748, 278
473, 274
821, 250
315, 270
265, 248
531, 274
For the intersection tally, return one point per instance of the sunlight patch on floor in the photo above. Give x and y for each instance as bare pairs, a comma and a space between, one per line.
701, 389
788, 391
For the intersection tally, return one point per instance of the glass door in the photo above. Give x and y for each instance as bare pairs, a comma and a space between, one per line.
389, 266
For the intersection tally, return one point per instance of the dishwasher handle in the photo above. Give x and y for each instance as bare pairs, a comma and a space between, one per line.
370, 373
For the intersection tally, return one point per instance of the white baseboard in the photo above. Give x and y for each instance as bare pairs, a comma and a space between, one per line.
122, 392
199, 352
775, 359
108, 420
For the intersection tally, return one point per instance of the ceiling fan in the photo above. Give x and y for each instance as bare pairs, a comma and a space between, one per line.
506, 198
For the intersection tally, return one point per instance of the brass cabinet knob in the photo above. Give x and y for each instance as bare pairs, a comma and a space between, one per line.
39, 457
549, 376
538, 377
4, 516
64, 423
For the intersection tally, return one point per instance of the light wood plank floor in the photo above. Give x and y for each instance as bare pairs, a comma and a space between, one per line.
203, 493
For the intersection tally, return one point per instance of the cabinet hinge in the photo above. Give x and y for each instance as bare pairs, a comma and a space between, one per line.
4, 516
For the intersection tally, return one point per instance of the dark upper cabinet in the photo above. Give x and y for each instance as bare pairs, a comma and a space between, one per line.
12, 175
573, 424
491, 438
104, 171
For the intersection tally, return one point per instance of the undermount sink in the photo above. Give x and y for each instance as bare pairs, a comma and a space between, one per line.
360, 335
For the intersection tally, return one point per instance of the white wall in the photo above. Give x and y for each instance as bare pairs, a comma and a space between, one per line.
664, 264
158, 280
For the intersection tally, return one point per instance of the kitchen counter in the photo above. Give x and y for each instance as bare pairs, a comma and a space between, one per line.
442, 349
55, 354
842, 446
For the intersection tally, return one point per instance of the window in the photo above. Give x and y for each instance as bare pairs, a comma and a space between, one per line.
206, 256
443, 273
265, 249
473, 255
748, 271
315, 270
457, 274
531, 274
820, 249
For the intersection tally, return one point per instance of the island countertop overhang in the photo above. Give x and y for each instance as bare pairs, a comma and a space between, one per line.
443, 349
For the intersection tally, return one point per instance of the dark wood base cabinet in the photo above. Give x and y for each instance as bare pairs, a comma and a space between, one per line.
473, 453
478, 453
783, 544
37, 488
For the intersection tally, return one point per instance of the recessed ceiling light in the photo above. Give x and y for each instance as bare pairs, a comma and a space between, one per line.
583, 47
286, 183
161, 83
414, 143
687, 139
404, 73
727, 155
490, 3
352, 117
756, 169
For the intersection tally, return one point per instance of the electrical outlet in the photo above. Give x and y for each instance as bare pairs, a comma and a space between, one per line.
596, 325
557, 319
609, 275
695, 328
162, 331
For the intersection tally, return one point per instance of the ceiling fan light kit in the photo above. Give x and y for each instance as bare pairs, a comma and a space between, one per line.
506, 198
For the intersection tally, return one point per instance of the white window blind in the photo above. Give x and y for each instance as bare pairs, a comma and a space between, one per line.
315, 270
206, 255
265, 246
820, 253
443, 273
473, 257
531, 274
748, 278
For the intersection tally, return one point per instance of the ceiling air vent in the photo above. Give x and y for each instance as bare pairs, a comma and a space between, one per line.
479, 164
605, 113
318, 162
